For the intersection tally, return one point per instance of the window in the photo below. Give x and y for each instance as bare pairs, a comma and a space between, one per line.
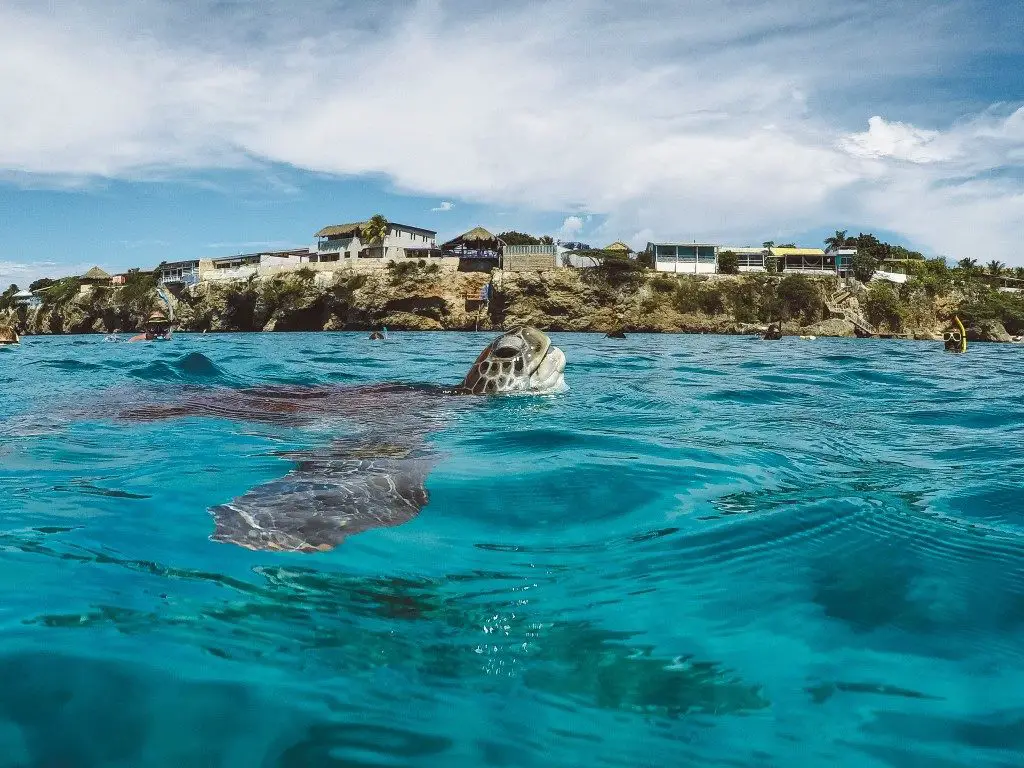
687, 253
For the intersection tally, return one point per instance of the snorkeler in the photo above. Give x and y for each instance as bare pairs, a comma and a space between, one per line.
773, 332
158, 328
955, 340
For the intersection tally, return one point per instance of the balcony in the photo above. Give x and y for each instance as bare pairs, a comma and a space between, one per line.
333, 246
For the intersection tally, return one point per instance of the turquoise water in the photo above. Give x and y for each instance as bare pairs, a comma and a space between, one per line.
709, 551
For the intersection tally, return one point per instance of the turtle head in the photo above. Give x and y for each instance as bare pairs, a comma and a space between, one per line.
521, 360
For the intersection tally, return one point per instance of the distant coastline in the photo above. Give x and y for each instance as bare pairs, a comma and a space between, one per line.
610, 297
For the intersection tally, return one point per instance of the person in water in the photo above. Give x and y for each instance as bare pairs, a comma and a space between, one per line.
153, 334
955, 340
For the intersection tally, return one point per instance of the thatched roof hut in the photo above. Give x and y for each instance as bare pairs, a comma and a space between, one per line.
341, 230
618, 246
477, 243
95, 275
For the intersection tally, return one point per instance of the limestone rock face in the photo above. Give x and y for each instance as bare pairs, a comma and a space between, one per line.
414, 296
988, 330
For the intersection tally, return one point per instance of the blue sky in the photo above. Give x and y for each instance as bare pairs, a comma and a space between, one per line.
132, 132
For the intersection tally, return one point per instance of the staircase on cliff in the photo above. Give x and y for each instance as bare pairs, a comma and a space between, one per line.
838, 306
480, 295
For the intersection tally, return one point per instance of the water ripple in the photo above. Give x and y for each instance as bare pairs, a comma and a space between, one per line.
709, 551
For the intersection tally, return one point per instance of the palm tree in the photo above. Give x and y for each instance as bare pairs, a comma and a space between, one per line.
376, 231
837, 241
968, 265
1018, 272
996, 267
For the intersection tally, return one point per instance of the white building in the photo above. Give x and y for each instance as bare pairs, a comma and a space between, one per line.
28, 300
185, 272
750, 258
684, 258
246, 265
343, 241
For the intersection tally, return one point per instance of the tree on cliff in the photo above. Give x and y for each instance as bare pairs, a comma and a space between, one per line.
7, 297
996, 267
863, 266
42, 282
837, 241
728, 263
518, 238
375, 231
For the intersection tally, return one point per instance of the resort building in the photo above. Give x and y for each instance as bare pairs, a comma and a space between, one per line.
684, 258
477, 249
27, 300
343, 241
95, 276
245, 265
749, 258
180, 272
844, 260
806, 261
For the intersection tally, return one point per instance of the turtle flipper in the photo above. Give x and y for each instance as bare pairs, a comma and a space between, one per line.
330, 495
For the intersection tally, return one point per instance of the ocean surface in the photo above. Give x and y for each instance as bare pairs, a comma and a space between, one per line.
709, 551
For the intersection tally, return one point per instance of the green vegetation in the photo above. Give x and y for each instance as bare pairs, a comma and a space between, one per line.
61, 291
755, 298
987, 305
728, 263
518, 238
375, 230
884, 308
800, 297
412, 271
7, 298
138, 295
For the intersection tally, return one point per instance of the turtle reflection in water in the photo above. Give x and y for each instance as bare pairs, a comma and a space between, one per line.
372, 480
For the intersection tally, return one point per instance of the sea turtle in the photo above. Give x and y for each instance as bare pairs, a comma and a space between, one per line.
369, 480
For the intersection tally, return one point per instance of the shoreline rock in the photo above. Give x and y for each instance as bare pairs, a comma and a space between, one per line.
420, 298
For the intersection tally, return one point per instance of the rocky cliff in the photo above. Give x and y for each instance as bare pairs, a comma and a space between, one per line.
422, 297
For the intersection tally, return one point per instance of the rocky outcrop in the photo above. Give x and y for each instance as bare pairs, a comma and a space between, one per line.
988, 330
414, 296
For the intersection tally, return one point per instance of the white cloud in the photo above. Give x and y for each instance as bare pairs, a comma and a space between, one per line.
444, 206
899, 141
572, 226
722, 119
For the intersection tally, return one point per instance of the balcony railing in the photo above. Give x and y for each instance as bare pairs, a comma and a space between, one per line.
333, 246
